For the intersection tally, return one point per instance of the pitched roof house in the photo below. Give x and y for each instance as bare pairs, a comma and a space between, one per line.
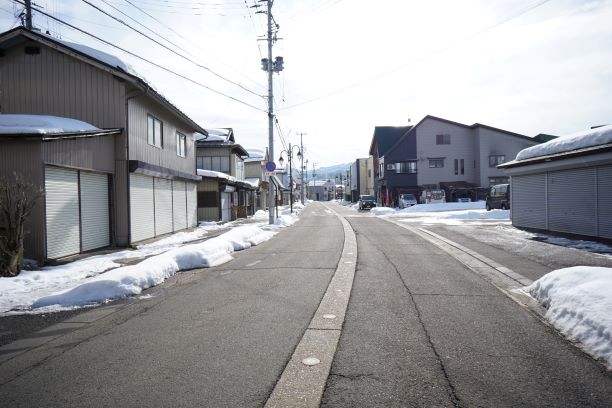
437, 153
138, 171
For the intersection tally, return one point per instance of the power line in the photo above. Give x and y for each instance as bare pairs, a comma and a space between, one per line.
188, 40
170, 49
143, 59
415, 61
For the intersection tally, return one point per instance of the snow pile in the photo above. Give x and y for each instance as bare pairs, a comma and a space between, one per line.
286, 218
42, 125
576, 141
382, 211
579, 304
131, 280
215, 174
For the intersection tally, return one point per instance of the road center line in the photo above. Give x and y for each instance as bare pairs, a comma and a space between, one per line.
302, 384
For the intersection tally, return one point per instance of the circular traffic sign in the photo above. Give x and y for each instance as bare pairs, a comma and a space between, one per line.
270, 166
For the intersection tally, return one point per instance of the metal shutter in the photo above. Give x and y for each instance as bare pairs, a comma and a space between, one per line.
141, 207
163, 206
62, 212
528, 195
179, 205
604, 201
95, 230
571, 201
226, 207
192, 204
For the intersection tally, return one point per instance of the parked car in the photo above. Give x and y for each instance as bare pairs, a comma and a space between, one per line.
366, 201
498, 197
407, 200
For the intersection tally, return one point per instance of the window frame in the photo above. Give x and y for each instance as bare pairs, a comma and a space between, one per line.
153, 139
439, 160
494, 160
406, 167
181, 144
443, 139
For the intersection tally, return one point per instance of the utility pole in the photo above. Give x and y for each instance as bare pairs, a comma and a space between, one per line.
302, 167
28, 14
270, 67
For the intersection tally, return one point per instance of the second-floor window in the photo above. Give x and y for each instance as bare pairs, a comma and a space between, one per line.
181, 144
436, 163
459, 166
154, 131
215, 163
443, 139
409, 167
496, 159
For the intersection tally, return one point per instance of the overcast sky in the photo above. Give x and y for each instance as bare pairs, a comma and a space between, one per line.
527, 66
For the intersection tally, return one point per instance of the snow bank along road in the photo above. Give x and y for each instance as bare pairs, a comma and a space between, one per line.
428, 326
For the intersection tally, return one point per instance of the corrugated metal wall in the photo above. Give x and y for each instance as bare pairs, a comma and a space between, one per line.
572, 201
604, 201
90, 153
529, 201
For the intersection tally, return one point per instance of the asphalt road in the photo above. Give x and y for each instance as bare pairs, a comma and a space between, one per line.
424, 330
421, 329
217, 337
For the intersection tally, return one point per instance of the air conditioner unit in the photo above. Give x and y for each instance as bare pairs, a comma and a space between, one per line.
391, 166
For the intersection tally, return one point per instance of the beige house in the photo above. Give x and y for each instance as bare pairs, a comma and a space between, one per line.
223, 193
141, 165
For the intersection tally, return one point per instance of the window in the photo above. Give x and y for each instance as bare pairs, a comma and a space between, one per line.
443, 139
462, 166
154, 131
369, 172
456, 166
436, 163
208, 199
181, 144
409, 167
496, 159
215, 163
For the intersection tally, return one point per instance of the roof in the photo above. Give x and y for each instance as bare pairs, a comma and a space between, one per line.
48, 127
474, 126
385, 137
98, 58
222, 137
577, 144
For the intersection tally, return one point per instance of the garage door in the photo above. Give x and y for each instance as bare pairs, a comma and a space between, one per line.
62, 212
95, 231
573, 186
604, 205
192, 204
179, 205
163, 206
141, 207
528, 195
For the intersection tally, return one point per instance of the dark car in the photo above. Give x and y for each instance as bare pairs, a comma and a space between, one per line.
366, 201
498, 197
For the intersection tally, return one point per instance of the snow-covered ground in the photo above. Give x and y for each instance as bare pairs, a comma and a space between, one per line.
100, 278
578, 300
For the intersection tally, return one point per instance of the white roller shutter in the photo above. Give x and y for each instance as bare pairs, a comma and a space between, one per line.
62, 212
572, 201
163, 206
141, 207
604, 201
226, 207
192, 204
179, 205
95, 230
528, 195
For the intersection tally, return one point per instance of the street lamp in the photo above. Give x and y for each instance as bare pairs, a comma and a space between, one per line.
289, 152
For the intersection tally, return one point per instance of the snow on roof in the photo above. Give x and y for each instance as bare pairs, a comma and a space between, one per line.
198, 136
108, 59
215, 138
215, 174
256, 153
590, 138
42, 124
254, 182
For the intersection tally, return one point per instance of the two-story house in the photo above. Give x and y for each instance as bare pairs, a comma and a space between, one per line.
223, 194
438, 153
132, 181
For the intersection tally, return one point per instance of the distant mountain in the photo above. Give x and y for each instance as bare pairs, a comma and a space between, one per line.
330, 172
